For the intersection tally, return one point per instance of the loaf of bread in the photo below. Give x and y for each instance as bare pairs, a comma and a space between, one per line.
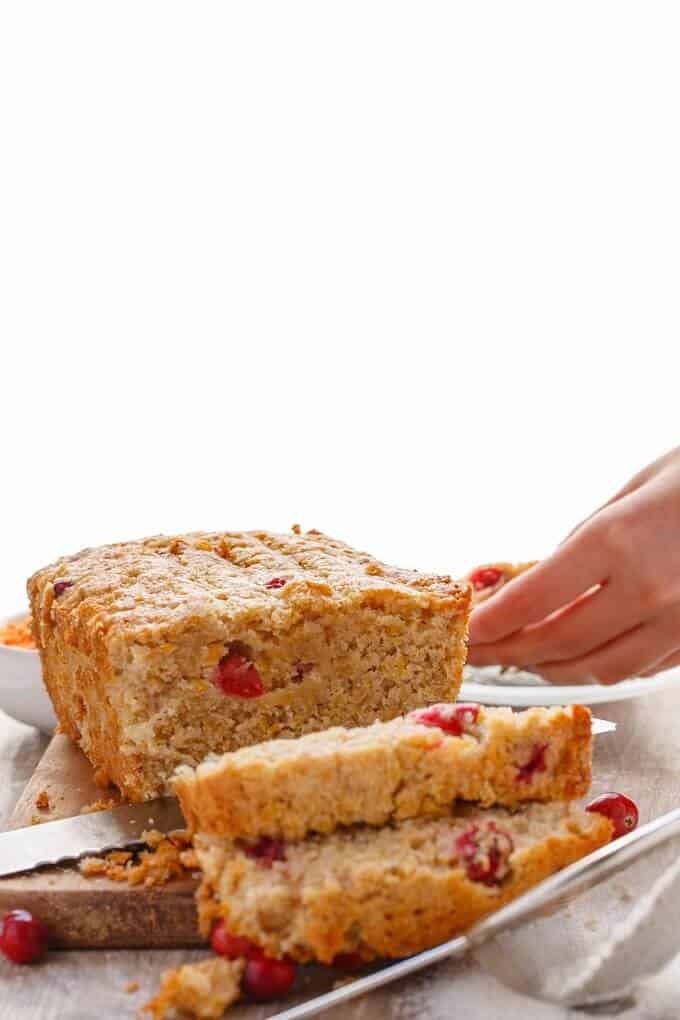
157, 652
413, 766
390, 891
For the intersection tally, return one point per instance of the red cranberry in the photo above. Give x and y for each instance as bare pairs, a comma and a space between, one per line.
265, 978
266, 851
238, 676
23, 938
61, 586
485, 851
621, 811
231, 946
276, 582
347, 961
454, 719
536, 763
485, 577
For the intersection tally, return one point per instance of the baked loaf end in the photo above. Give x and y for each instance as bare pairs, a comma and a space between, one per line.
156, 652
391, 891
410, 767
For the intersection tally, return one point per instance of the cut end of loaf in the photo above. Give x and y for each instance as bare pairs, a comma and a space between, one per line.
315, 634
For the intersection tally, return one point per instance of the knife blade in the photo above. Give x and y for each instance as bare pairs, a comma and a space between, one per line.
70, 838
603, 726
558, 889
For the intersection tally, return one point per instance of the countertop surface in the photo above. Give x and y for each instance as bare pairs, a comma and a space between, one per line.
641, 759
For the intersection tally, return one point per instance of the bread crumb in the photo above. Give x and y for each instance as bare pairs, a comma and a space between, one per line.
42, 801
168, 856
132, 987
203, 989
341, 982
104, 804
296, 529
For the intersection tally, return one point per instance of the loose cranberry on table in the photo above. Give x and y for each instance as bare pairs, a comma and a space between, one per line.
23, 938
485, 577
621, 811
238, 676
485, 851
233, 947
454, 719
265, 978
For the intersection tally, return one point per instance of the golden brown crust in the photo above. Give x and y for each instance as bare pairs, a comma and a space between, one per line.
143, 590
130, 636
384, 892
388, 771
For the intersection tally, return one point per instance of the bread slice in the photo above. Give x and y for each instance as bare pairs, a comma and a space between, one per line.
391, 891
158, 651
410, 767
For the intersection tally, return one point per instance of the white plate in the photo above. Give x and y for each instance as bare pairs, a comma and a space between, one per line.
489, 686
22, 693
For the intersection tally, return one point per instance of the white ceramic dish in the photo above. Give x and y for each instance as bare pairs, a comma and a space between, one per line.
22, 693
491, 687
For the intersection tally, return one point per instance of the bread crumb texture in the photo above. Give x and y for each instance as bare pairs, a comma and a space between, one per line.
389, 771
158, 651
391, 891
203, 989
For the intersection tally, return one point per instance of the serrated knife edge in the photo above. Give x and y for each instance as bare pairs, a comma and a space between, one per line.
69, 839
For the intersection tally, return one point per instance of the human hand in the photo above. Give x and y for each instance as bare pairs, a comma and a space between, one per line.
606, 604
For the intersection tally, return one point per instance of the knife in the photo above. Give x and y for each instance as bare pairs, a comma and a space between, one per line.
70, 838
556, 890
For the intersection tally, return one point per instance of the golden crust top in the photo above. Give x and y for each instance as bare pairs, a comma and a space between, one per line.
147, 589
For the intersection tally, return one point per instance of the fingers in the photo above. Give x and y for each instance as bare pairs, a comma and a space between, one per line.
575, 567
572, 632
669, 662
637, 652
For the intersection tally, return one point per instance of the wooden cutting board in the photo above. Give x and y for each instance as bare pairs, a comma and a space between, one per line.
91, 912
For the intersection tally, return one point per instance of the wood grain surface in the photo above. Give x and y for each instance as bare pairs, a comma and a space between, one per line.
91, 912
642, 759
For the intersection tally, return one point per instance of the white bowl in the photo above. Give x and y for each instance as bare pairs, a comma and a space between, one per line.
22, 692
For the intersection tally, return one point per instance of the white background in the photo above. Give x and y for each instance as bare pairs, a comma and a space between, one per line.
407, 273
